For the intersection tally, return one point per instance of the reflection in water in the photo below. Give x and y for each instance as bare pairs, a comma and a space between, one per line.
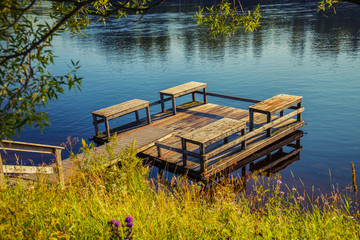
156, 35
267, 161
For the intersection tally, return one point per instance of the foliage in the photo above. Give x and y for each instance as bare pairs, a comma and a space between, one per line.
93, 197
26, 85
225, 19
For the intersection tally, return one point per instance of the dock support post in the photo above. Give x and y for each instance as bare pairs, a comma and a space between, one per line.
205, 97
137, 116
183, 144
148, 115
202, 157
107, 128
162, 102
95, 122
193, 97
299, 115
243, 132
59, 168
174, 105
268, 121
251, 119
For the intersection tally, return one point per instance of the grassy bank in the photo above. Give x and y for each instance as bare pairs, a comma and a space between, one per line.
96, 195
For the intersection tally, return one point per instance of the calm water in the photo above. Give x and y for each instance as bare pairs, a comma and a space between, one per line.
296, 51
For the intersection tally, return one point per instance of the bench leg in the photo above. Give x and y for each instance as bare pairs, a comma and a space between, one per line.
162, 102
251, 119
268, 121
95, 122
148, 115
107, 127
193, 97
205, 96
202, 157
183, 145
299, 115
244, 142
282, 113
226, 140
137, 116
174, 105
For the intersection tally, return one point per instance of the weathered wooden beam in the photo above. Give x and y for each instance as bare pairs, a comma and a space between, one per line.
178, 150
59, 168
29, 147
230, 97
226, 162
27, 169
254, 132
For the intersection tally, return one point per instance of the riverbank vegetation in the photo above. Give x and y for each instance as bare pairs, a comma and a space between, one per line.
122, 203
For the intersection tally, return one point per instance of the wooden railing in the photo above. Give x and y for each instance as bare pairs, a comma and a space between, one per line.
33, 148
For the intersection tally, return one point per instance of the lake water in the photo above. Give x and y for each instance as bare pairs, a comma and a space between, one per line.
296, 51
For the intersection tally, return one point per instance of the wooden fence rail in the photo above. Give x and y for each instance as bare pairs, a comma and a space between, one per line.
34, 148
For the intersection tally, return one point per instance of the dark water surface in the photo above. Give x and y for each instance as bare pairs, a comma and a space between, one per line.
296, 51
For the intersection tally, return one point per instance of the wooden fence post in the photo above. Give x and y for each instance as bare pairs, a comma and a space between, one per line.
59, 168
2, 176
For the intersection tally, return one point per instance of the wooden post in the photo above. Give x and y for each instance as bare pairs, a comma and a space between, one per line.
282, 113
174, 105
59, 167
244, 142
159, 151
193, 97
268, 121
251, 119
107, 128
226, 140
205, 97
202, 157
299, 115
2, 176
95, 122
162, 102
148, 114
137, 116
183, 144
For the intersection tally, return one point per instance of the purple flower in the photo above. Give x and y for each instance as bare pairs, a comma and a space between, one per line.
294, 189
281, 192
116, 224
279, 182
300, 198
128, 219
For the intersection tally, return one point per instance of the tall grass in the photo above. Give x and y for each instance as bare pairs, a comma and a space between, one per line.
95, 195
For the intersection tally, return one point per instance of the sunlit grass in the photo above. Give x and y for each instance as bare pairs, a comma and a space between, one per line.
96, 195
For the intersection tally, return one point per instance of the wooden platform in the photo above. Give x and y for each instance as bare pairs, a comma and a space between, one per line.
223, 150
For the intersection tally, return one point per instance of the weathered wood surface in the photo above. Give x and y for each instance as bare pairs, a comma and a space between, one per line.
276, 104
121, 109
29, 147
28, 169
215, 131
183, 89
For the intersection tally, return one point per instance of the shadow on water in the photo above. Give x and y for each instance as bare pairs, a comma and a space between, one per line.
267, 162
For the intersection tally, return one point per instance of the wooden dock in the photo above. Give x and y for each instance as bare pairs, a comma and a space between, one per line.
205, 141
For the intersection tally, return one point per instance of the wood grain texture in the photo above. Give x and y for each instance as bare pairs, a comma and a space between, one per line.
183, 89
121, 109
276, 104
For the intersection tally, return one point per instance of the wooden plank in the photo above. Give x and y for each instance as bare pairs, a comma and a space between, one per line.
183, 89
59, 168
178, 150
29, 147
226, 162
254, 132
276, 104
121, 109
215, 131
27, 169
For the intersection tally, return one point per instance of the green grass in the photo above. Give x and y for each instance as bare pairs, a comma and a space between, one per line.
96, 195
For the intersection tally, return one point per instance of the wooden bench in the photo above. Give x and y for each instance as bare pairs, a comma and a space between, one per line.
181, 90
118, 110
274, 105
212, 133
